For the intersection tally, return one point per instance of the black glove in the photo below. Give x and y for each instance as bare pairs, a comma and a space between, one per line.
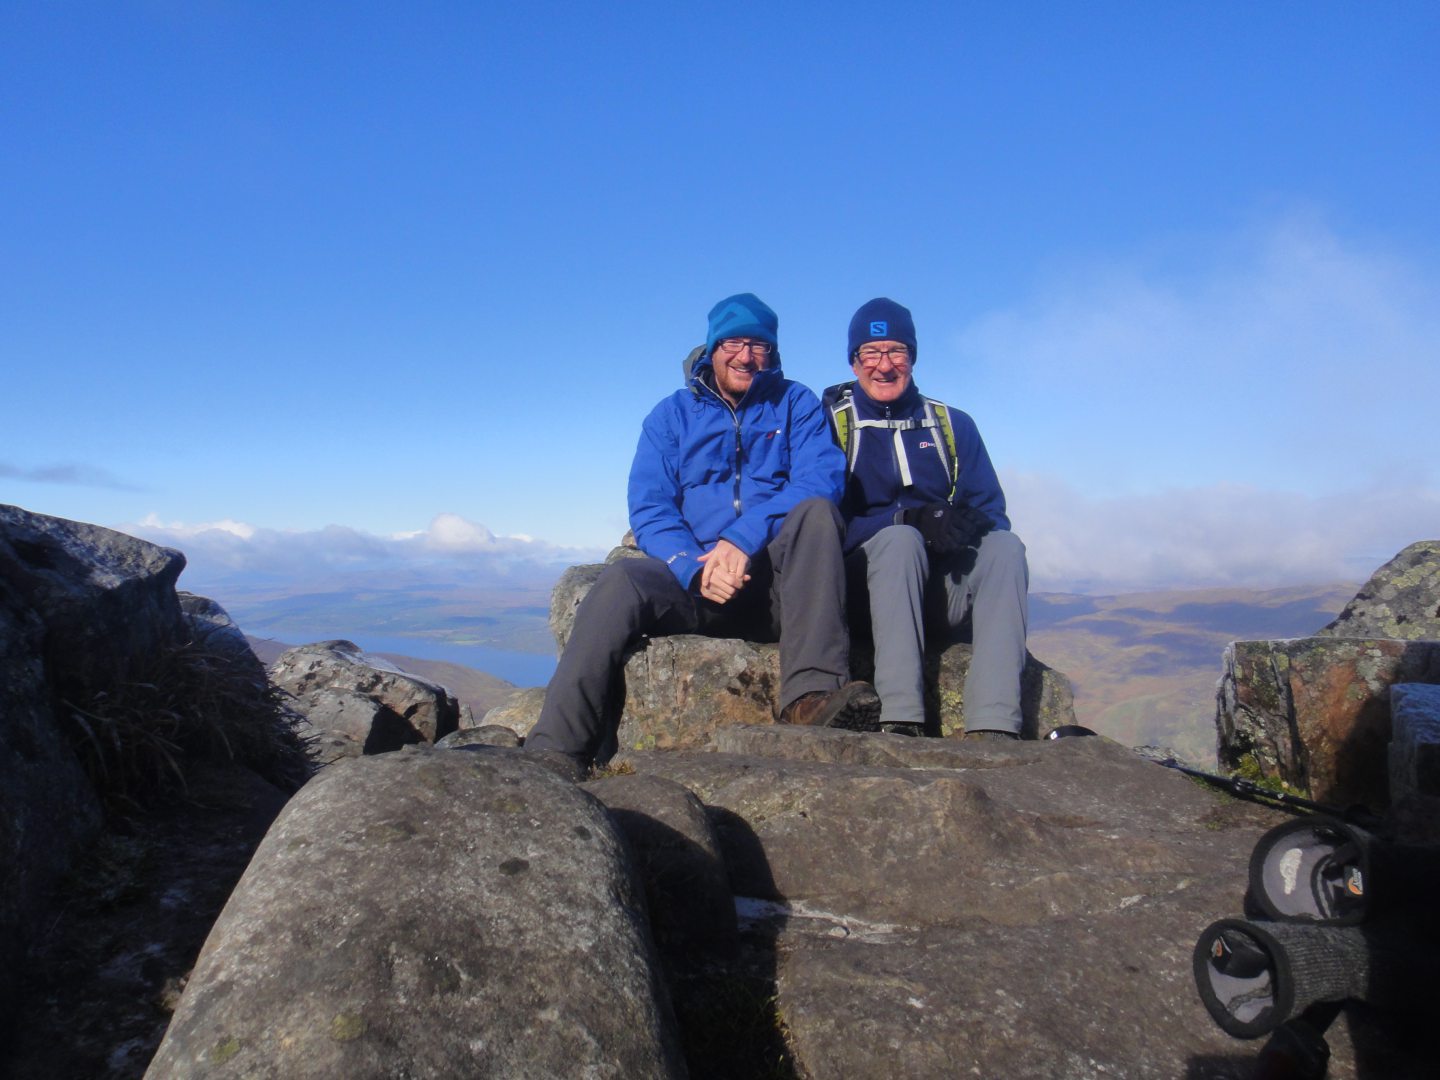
945, 528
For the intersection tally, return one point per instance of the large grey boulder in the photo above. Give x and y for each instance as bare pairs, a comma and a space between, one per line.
519, 713
48, 809
212, 630
1401, 599
1315, 712
430, 914
356, 698
681, 689
81, 608
106, 599
677, 856
575, 582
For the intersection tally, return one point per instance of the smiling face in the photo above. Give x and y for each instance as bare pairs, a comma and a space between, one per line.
736, 361
883, 370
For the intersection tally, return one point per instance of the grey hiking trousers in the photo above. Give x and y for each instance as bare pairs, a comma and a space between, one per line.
796, 595
906, 596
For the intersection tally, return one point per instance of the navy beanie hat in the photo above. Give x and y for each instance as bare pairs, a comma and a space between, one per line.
742, 315
882, 319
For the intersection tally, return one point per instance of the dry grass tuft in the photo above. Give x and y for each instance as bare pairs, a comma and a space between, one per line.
139, 739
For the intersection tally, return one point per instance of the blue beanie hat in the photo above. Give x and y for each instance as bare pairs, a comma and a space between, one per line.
741, 315
882, 319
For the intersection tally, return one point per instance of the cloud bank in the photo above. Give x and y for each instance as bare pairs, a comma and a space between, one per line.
1209, 537
1222, 535
450, 550
1286, 355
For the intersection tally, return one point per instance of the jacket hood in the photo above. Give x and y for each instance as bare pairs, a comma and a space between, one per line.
700, 361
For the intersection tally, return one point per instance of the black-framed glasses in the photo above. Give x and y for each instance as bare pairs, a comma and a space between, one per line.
760, 350
898, 355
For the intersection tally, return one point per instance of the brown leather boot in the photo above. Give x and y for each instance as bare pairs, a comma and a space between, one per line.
855, 707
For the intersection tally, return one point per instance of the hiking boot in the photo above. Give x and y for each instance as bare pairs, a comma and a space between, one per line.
985, 733
855, 707
902, 727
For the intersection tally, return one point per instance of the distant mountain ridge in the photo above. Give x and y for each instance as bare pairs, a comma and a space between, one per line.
502, 616
1144, 665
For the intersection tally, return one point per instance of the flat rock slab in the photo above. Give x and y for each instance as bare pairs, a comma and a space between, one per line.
1315, 712
1097, 998
1048, 830
943, 909
430, 913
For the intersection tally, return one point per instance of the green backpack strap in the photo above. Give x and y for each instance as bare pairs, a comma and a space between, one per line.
840, 405
939, 413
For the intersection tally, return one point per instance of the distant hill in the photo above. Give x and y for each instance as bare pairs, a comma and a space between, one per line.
1145, 665
501, 616
479, 690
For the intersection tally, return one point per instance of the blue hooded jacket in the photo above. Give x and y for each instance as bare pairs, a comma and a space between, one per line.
705, 472
874, 492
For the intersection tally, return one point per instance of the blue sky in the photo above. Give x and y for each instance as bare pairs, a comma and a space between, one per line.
358, 272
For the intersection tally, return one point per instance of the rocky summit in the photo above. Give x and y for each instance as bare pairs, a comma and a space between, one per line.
1314, 714
729, 898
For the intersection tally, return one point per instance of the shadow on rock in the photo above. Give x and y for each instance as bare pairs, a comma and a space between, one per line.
721, 971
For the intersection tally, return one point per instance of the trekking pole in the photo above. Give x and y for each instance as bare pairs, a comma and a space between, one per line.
1247, 789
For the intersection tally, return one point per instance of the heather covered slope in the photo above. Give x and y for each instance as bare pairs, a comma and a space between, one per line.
1144, 665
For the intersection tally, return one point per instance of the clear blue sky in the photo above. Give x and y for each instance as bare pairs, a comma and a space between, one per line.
360, 265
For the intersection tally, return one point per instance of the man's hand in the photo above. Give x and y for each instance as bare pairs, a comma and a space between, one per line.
723, 573
946, 529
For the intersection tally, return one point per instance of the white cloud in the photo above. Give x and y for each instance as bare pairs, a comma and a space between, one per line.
451, 532
450, 549
1220, 535
179, 529
1287, 356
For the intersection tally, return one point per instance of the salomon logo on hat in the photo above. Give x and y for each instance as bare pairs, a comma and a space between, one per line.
881, 319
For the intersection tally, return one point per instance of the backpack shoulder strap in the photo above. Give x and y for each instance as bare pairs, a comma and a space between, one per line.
839, 402
939, 414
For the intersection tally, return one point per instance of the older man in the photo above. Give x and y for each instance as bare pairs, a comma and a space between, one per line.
927, 539
732, 498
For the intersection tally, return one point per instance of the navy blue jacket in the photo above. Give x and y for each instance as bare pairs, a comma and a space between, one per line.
872, 490
705, 472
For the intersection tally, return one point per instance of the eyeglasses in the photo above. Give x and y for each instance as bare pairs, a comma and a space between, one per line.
898, 355
760, 350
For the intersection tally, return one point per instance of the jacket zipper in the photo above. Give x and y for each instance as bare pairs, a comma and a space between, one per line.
739, 445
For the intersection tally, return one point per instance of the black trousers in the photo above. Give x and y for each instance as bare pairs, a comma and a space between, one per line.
796, 595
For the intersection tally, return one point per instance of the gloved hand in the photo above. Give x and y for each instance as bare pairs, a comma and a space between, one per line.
945, 528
